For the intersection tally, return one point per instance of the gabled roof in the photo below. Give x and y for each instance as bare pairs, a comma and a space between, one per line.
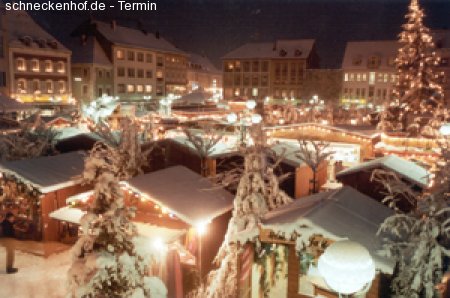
87, 51
205, 64
125, 36
191, 197
281, 49
339, 214
20, 25
404, 168
48, 173
362, 50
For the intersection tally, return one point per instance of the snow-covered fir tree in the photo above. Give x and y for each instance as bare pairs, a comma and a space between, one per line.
106, 261
419, 240
132, 148
418, 95
257, 193
29, 142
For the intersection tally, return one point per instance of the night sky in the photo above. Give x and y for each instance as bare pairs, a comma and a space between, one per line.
214, 27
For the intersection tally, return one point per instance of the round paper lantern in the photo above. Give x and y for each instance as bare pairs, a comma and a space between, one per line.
445, 130
346, 267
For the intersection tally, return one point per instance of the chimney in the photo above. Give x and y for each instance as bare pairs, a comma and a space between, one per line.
113, 25
274, 48
83, 39
157, 34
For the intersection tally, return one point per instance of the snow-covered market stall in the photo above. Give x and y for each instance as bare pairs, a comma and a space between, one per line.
175, 207
294, 236
35, 187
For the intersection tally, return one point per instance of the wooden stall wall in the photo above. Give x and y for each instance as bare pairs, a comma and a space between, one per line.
52, 201
303, 176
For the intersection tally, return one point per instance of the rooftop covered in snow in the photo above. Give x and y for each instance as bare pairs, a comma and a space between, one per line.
281, 49
404, 168
191, 197
339, 214
357, 54
125, 36
48, 173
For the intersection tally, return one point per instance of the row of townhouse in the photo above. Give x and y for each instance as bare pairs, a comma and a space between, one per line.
96, 59
288, 69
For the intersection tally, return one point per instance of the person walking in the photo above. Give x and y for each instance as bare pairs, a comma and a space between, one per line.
9, 241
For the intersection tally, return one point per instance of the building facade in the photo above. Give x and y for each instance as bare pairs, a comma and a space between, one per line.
268, 70
133, 64
203, 75
369, 73
35, 66
326, 84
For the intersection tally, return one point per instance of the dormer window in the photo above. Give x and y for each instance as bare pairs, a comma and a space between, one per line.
48, 66
283, 53
40, 43
26, 40
373, 62
357, 60
52, 44
21, 65
298, 53
35, 65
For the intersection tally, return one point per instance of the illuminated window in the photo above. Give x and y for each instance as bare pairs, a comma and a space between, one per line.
351, 77
345, 77
148, 88
48, 66
159, 74
358, 77
364, 77
385, 77
61, 67
49, 86
35, 65
237, 92
372, 78
120, 55
36, 86
139, 88
130, 88
21, 65
21, 86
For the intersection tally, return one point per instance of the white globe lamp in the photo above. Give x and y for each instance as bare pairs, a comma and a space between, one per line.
250, 104
256, 118
347, 267
445, 130
232, 118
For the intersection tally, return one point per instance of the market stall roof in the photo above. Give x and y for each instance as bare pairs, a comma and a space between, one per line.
9, 105
338, 214
48, 173
73, 215
405, 168
288, 151
191, 197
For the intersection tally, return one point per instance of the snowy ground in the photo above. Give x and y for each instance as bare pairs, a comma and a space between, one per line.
38, 277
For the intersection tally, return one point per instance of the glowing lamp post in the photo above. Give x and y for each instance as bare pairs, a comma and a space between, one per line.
347, 267
200, 229
248, 118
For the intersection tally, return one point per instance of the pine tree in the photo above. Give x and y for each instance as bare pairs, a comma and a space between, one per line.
106, 262
257, 193
419, 240
418, 93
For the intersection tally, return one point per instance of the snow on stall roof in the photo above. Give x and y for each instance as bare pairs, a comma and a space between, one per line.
288, 151
48, 173
137, 38
338, 214
191, 197
221, 149
294, 49
405, 168
74, 215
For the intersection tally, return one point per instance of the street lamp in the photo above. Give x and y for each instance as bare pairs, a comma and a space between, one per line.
248, 118
347, 267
